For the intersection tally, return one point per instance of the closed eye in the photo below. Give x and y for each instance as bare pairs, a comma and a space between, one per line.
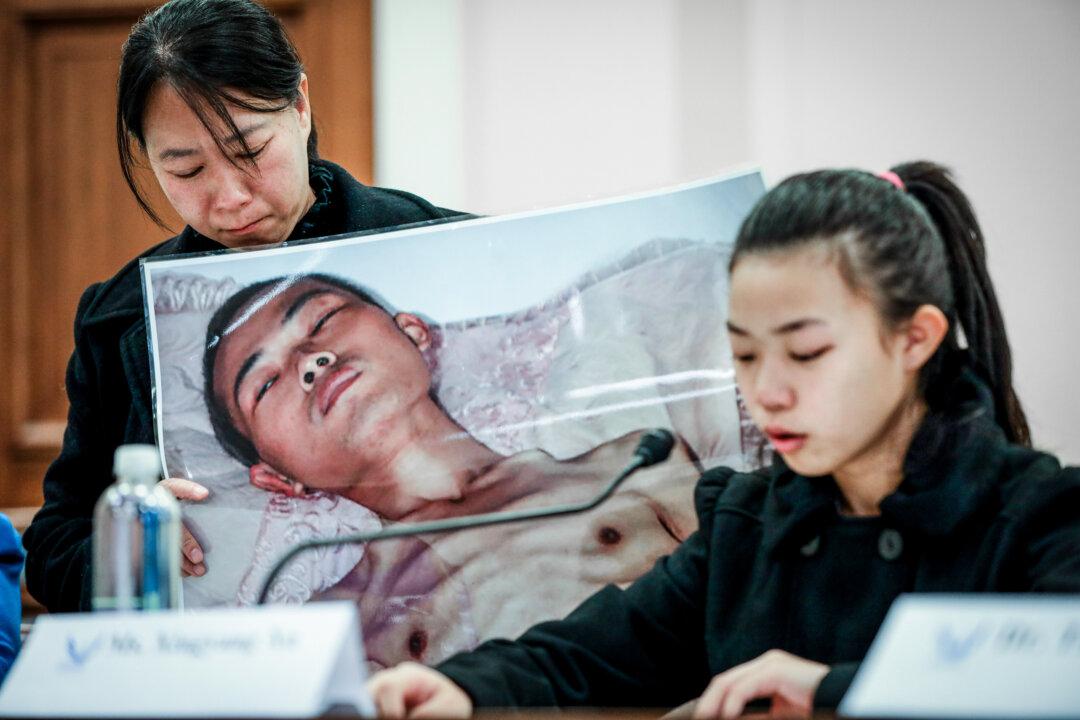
322, 321
190, 174
745, 358
265, 388
254, 153
814, 355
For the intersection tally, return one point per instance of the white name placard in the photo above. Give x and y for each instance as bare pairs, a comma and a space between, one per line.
968, 656
275, 661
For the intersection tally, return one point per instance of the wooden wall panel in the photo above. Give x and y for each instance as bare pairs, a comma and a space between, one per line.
334, 37
13, 88
84, 227
69, 220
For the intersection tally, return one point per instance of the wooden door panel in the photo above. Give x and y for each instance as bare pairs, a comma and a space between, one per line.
334, 39
83, 224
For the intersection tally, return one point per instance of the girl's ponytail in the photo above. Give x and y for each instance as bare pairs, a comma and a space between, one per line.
976, 305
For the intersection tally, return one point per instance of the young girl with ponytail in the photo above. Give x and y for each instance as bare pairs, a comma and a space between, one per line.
870, 349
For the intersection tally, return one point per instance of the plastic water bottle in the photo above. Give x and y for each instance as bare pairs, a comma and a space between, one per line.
136, 542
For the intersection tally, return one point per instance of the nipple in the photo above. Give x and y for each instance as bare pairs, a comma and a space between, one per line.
609, 536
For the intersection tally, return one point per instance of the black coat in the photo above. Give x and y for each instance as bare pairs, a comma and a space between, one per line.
108, 383
774, 565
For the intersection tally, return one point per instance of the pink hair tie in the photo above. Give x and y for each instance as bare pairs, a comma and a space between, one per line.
893, 178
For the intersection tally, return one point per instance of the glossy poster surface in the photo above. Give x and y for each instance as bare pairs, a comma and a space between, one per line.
442, 371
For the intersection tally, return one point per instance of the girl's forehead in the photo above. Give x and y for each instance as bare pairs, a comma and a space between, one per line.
769, 289
798, 275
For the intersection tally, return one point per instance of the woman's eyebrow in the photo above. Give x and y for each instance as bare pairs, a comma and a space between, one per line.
174, 153
244, 132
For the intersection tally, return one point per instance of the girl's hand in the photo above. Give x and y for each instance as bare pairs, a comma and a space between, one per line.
789, 681
191, 555
411, 690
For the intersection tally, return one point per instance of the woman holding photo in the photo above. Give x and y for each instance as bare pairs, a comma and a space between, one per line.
212, 94
871, 351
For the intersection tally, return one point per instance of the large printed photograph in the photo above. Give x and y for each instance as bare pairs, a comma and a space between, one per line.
446, 371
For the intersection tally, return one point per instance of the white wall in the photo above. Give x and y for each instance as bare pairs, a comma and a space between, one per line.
418, 76
560, 100
496, 105
991, 89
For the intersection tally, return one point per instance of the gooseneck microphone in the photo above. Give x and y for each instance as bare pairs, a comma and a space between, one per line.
653, 448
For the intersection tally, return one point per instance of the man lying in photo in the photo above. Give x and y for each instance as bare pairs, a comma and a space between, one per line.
314, 386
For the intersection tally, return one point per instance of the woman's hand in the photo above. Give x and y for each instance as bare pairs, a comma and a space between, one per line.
788, 680
191, 555
411, 690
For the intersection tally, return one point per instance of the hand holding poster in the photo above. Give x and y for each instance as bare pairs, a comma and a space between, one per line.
445, 371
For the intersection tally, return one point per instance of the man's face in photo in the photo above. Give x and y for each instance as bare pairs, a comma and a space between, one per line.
317, 378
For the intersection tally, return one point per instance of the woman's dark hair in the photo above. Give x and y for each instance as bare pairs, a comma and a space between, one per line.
219, 327
213, 53
903, 248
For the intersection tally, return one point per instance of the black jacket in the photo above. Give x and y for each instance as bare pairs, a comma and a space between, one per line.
108, 382
774, 565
